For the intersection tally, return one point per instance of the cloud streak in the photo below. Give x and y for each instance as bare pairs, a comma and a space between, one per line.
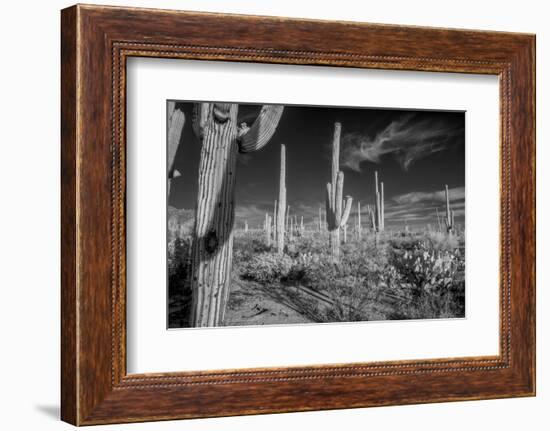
435, 197
421, 206
408, 139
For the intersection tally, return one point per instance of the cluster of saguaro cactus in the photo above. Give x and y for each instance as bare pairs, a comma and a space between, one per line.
337, 208
221, 138
449, 213
378, 204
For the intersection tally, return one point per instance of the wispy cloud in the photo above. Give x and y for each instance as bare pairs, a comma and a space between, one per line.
408, 139
438, 196
421, 206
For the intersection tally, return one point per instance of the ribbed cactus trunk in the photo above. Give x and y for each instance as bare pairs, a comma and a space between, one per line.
281, 203
337, 209
213, 245
212, 251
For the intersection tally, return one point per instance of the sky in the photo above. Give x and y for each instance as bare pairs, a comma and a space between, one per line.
415, 153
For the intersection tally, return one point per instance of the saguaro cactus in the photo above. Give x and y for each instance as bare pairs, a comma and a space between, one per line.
281, 208
267, 229
358, 219
274, 222
176, 121
379, 203
439, 228
449, 213
221, 138
372, 218
337, 209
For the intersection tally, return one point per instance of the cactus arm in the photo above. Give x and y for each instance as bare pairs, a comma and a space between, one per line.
338, 202
200, 118
176, 121
347, 210
261, 131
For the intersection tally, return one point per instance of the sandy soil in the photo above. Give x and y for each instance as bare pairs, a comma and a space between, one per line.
253, 304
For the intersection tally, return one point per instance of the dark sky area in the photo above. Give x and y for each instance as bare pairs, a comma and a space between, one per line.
415, 153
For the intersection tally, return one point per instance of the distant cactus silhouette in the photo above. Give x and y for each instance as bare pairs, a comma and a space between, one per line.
449, 213
379, 203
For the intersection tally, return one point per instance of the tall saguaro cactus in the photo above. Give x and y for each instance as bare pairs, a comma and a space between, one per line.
379, 203
358, 219
449, 213
221, 138
337, 209
281, 208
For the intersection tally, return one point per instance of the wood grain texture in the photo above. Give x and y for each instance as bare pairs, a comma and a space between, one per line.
96, 41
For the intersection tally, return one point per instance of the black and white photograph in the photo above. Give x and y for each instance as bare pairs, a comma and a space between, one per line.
288, 214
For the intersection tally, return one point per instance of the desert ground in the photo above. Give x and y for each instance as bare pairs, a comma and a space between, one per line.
391, 275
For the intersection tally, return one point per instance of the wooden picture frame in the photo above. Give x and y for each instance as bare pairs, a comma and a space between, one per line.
95, 43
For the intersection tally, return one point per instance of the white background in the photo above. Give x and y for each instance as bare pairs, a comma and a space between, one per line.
29, 216
151, 348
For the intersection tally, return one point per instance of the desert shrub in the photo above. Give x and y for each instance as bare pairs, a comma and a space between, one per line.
179, 288
434, 278
442, 241
178, 259
352, 283
245, 247
427, 269
250, 244
351, 296
405, 243
266, 267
